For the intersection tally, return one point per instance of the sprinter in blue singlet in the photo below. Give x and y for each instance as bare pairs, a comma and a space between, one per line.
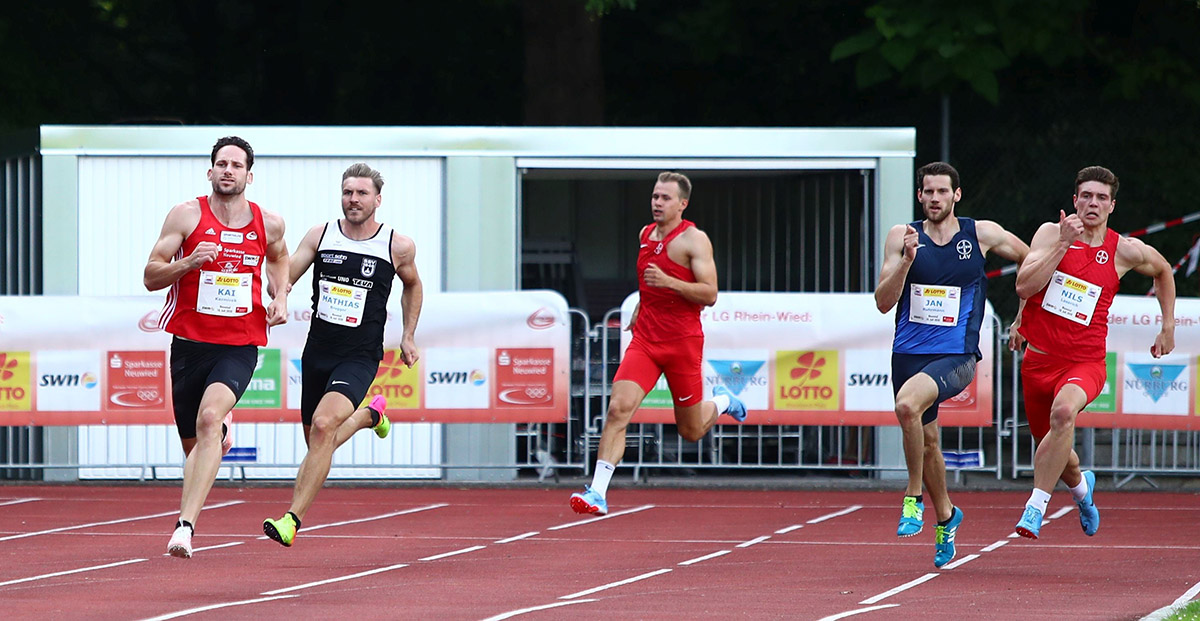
933, 275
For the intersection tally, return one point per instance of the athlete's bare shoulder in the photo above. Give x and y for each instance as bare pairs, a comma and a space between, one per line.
274, 225
183, 218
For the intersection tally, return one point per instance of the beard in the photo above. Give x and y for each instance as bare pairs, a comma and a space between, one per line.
940, 216
237, 188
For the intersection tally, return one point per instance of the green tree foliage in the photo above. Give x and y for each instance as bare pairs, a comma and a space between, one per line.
937, 46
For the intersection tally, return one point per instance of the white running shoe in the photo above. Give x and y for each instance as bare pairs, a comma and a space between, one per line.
227, 438
180, 545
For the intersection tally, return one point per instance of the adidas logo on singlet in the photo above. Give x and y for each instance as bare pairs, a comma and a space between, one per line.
210, 231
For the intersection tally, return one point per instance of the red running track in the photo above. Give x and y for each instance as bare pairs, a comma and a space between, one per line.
403, 553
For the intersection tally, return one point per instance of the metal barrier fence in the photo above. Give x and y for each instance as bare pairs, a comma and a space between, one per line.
546, 449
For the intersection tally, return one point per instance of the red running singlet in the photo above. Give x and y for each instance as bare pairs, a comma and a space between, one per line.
664, 315
221, 303
1060, 319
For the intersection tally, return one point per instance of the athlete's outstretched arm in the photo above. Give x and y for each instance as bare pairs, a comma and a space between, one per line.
1145, 260
404, 257
1048, 247
276, 269
899, 252
161, 270
995, 239
305, 253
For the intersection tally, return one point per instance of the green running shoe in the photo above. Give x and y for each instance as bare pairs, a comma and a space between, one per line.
379, 404
282, 530
912, 517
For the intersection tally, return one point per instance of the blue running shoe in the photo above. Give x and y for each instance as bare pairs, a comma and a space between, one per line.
1089, 515
1030, 524
912, 517
589, 502
943, 541
737, 409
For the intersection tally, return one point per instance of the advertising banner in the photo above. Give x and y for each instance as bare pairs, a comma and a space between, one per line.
1144, 392
810, 359
497, 356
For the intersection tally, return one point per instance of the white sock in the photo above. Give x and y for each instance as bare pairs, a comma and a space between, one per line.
604, 472
722, 403
1079, 491
1039, 500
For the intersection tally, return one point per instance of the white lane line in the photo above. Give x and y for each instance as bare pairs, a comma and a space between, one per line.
904, 587
605, 517
747, 544
1061, 512
72, 571
216, 547
705, 557
18, 501
850, 509
120, 521
851, 613
377, 570
962, 561
509, 615
519, 537
789, 529
454, 553
617, 584
1002, 542
191, 611
373, 518
1180, 602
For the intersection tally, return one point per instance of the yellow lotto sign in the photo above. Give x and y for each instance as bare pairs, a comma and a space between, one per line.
400, 385
807, 380
15, 391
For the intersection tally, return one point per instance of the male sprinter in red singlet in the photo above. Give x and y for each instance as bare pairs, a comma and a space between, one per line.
355, 259
1068, 281
211, 253
677, 278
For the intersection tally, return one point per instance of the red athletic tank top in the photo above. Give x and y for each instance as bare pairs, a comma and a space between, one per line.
1060, 319
664, 314
221, 302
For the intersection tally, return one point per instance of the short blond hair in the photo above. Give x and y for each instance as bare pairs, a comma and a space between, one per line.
681, 180
363, 171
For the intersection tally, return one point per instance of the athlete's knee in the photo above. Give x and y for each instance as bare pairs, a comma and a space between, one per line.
691, 431
620, 412
908, 411
208, 422
323, 428
1062, 417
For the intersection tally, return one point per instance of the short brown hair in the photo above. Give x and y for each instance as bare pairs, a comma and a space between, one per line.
1098, 173
937, 168
680, 179
234, 141
366, 172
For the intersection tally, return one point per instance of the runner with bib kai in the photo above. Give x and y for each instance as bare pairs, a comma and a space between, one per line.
1068, 282
933, 274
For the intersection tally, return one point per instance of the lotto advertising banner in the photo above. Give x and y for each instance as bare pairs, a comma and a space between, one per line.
485, 357
809, 359
1144, 392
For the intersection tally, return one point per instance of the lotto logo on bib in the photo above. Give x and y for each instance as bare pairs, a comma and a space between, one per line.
15, 390
136, 380
807, 380
400, 385
524, 377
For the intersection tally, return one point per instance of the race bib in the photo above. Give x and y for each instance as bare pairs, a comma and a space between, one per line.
934, 305
1071, 297
223, 294
341, 304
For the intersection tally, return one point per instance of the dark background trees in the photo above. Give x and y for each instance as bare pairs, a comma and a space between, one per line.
1034, 90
